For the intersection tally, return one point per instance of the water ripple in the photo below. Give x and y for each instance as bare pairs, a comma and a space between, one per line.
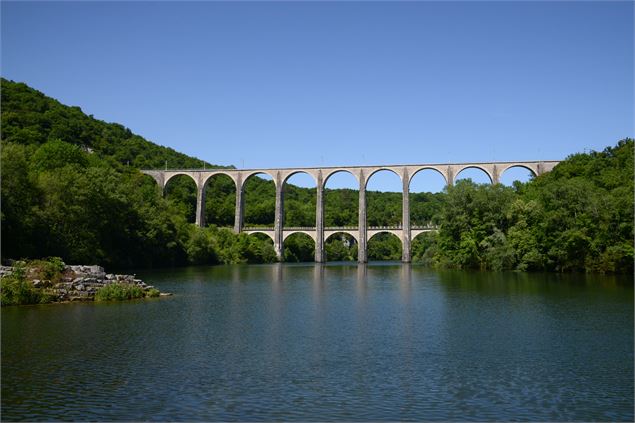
306, 343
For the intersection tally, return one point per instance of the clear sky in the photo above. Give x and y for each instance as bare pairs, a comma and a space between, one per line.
282, 84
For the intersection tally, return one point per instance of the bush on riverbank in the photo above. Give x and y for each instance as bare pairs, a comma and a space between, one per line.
16, 289
48, 269
119, 292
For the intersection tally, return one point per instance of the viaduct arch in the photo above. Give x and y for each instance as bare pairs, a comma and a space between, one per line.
361, 233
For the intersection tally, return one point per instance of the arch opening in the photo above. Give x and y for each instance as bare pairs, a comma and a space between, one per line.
300, 195
220, 200
427, 180
384, 246
259, 198
180, 191
383, 177
340, 246
426, 197
475, 174
299, 248
341, 200
384, 199
516, 174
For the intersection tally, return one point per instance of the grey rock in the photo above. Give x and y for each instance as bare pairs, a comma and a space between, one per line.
95, 269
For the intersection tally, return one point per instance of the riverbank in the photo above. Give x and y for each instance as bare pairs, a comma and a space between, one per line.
53, 281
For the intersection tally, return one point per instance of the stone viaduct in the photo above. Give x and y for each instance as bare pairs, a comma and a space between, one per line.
319, 233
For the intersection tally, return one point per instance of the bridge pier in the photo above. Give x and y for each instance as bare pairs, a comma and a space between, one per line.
405, 218
495, 175
240, 204
278, 238
362, 253
200, 206
319, 220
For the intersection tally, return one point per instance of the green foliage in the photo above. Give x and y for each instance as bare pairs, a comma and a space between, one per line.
299, 247
152, 293
220, 205
20, 196
48, 269
214, 245
119, 292
384, 246
497, 253
243, 248
260, 202
579, 217
471, 216
425, 208
340, 247
201, 247
56, 153
15, 289
180, 192
341, 207
383, 208
424, 249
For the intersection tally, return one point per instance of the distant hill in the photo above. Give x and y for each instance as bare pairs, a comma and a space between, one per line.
31, 118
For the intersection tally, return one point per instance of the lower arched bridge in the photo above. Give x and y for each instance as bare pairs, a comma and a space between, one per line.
319, 233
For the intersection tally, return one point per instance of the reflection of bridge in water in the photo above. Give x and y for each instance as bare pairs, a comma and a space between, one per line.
362, 174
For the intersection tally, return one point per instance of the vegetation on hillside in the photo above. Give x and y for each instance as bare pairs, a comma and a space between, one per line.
579, 217
71, 188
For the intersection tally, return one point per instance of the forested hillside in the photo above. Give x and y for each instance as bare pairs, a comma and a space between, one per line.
30, 118
71, 188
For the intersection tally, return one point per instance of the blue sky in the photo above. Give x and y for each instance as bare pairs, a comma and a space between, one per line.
273, 84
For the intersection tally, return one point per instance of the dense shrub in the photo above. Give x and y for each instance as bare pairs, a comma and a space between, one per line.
119, 292
15, 289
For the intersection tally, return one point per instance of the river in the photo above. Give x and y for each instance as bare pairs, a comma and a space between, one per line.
336, 342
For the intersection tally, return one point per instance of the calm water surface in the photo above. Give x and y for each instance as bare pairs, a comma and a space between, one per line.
336, 342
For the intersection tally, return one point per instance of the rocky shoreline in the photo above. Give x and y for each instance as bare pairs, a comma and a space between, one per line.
79, 282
